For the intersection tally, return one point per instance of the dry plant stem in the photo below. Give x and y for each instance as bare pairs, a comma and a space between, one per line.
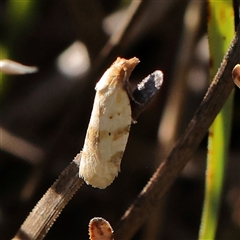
56, 198
51, 204
169, 128
168, 171
123, 28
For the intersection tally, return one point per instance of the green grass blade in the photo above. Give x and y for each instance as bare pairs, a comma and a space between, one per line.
220, 33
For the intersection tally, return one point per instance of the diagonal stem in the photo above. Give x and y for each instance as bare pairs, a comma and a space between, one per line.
168, 171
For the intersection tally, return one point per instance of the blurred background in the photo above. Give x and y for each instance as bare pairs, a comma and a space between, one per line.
44, 116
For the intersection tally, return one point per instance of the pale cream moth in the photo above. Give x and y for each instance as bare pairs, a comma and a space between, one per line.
109, 126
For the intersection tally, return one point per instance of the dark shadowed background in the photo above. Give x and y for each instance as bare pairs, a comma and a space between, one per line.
44, 116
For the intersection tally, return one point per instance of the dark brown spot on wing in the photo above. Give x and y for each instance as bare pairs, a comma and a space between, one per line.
120, 131
116, 158
93, 135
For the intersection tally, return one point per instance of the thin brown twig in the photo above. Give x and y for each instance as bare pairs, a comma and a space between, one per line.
168, 171
169, 129
51, 204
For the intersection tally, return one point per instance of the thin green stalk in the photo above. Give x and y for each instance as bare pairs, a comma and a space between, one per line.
220, 34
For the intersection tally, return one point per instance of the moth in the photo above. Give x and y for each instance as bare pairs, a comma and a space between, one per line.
109, 126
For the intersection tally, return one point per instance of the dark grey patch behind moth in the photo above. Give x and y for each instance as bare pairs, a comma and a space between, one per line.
145, 92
